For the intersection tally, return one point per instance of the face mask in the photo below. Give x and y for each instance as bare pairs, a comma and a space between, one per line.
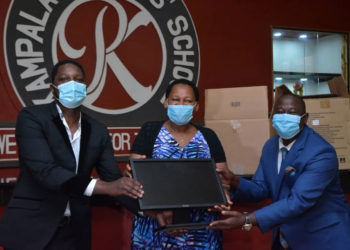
286, 125
72, 94
180, 114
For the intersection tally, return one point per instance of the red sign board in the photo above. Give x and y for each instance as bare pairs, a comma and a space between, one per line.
122, 139
8, 147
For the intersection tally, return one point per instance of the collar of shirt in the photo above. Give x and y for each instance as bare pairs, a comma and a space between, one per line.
77, 134
281, 145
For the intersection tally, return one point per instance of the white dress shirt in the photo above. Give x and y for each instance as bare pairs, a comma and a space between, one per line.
75, 142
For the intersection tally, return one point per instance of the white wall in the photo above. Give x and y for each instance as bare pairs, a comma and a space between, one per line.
288, 55
310, 56
328, 54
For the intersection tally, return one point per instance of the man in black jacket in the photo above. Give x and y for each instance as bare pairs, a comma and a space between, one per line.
58, 148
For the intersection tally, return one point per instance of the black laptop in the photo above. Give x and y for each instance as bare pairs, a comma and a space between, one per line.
178, 185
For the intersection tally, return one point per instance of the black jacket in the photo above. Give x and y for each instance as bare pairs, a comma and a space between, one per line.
47, 179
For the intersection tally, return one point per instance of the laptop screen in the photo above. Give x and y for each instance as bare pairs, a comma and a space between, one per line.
178, 183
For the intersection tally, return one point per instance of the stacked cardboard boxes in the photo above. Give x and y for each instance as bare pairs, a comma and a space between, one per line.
330, 118
239, 116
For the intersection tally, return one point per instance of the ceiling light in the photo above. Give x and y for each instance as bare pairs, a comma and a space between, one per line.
303, 79
277, 34
303, 36
278, 78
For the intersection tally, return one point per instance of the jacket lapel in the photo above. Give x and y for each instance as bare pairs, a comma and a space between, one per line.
59, 125
273, 170
291, 156
275, 158
85, 134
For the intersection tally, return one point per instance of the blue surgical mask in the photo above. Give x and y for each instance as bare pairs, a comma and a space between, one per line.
180, 114
286, 125
72, 94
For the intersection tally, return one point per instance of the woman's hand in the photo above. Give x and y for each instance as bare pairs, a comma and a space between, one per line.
162, 217
127, 170
165, 218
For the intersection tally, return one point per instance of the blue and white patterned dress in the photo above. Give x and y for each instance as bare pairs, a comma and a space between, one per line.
143, 236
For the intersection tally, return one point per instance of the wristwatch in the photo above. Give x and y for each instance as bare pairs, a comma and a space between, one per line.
248, 224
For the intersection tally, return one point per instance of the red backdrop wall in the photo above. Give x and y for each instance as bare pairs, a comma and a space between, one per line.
235, 50
235, 39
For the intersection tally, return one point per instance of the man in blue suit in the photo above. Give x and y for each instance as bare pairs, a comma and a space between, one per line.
299, 170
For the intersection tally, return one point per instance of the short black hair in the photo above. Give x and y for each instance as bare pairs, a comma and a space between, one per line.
298, 98
185, 82
59, 64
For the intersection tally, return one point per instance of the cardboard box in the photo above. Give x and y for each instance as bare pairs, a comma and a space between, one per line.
243, 141
323, 110
348, 128
333, 132
337, 87
236, 103
330, 118
343, 154
337, 134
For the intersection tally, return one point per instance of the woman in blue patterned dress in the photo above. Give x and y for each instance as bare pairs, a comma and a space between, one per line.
173, 139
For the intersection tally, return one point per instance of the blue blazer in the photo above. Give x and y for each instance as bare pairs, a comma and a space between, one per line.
308, 203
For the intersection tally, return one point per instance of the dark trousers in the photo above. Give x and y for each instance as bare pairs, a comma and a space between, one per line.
276, 245
63, 237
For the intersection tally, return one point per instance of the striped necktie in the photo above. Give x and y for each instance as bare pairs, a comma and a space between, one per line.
284, 152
